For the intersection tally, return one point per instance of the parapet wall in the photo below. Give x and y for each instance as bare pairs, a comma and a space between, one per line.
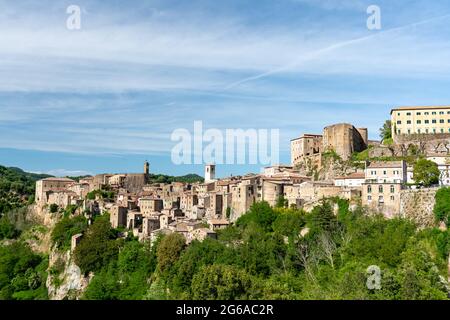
417, 205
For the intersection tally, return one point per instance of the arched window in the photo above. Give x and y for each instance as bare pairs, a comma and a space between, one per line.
380, 189
392, 189
369, 189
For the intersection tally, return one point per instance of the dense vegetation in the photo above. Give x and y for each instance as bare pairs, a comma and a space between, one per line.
161, 178
16, 188
22, 273
426, 173
273, 253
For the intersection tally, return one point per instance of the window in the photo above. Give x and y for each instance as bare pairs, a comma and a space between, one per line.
369, 189
392, 189
433, 121
418, 130
427, 113
442, 130
381, 199
448, 120
392, 198
399, 131
408, 122
398, 113
408, 113
441, 112
399, 122
419, 121
434, 130
426, 130
433, 113
409, 131
427, 121
385, 172
380, 189
369, 198
418, 113
442, 121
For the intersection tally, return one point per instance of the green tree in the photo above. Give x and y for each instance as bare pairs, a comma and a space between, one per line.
426, 172
282, 202
169, 250
260, 213
289, 222
98, 247
53, 208
7, 229
386, 130
221, 282
442, 205
66, 228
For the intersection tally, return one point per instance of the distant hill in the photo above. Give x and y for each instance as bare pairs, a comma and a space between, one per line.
17, 187
161, 178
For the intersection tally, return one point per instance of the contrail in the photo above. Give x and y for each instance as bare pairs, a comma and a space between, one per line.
317, 53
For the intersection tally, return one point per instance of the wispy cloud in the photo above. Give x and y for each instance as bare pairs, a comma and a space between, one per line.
65, 173
134, 73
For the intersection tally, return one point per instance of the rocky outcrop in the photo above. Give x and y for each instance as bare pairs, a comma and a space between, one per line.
65, 280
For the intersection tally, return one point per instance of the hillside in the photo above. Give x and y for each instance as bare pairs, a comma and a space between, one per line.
161, 178
16, 188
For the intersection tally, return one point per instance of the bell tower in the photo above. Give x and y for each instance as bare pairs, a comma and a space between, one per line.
210, 172
146, 167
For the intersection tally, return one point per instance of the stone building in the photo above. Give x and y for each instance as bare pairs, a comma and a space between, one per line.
381, 189
383, 197
443, 163
150, 205
386, 171
47, 186
420, 120
345, 139
210, 172
118, 216
355, 179
306, 145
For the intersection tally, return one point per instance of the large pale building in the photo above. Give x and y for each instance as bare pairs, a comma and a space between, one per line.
420, 120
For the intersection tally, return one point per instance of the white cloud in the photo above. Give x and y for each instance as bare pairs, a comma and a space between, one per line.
65, 173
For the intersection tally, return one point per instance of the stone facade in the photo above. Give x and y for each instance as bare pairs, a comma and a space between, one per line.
382, 197
345, 139
426, 120
418, 205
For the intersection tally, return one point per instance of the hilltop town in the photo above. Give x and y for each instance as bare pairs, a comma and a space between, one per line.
326, 165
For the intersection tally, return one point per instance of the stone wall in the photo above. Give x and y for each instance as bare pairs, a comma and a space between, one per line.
345, 139
418, 205
423, 143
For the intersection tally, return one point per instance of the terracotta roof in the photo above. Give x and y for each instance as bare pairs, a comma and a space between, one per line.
308, 135
218, 221
385, 164
58, 179
354, 175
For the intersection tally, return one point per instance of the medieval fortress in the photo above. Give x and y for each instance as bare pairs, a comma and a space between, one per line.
322, 166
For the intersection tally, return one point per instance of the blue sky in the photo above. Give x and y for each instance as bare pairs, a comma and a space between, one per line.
108, 96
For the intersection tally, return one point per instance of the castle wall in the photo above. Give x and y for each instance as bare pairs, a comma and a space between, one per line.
418, 205
344, 139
